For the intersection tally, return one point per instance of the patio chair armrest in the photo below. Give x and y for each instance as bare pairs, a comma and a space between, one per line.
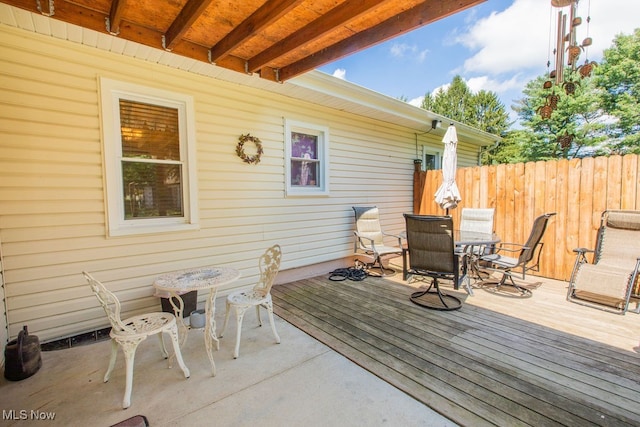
516, 247
583, 250
395, 236
581, 255
359, 238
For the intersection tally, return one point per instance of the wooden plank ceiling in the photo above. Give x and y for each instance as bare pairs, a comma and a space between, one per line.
278, 39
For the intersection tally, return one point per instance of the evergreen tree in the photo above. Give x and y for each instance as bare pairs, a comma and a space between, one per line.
572, 128
482, 110
455, 102
619, 78
427, 102
487, 113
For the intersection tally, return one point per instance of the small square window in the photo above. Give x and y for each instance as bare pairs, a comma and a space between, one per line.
307, 160
430, 162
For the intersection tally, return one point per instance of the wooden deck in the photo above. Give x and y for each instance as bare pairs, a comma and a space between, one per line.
539, 361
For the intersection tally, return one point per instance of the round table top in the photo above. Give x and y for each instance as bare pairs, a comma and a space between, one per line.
196, 278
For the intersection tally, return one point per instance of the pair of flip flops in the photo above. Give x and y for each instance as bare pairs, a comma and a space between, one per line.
351, 273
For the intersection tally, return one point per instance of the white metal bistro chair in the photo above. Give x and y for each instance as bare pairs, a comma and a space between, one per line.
128, 333
259, 296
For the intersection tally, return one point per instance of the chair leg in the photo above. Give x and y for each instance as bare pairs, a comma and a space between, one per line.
269, 306
112, 359
163, 348
258, 315
173, 332
239, 316
453, 303
508, 276
129, 349
523, 291
384, 272
226, 319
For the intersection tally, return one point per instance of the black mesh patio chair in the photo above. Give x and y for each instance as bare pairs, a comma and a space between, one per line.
430, 251
610, 282
370, 240
521, 258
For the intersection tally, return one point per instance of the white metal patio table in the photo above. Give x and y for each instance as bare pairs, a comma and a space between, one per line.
184, 281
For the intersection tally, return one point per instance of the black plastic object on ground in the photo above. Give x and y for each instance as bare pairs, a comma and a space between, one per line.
22, 356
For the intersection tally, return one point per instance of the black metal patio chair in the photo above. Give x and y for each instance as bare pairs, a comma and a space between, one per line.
430, 251
524, 257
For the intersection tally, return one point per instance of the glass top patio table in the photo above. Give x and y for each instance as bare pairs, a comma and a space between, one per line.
467, 241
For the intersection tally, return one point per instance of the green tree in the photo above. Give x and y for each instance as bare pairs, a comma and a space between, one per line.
454, 102
482, 110
427, 102
619, 78
487, 113
574, 127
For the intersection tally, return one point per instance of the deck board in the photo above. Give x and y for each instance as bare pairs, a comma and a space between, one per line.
488, 363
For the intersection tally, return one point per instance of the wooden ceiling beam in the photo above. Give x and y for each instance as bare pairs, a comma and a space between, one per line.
404, 22
267, 14
185, 19
338, 16
115, 17
46, 7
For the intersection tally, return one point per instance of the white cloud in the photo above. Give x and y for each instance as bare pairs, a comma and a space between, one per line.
443, 87
403, 50
340, 73
487, 83
478, 83
399, 49
416, 102
520, 36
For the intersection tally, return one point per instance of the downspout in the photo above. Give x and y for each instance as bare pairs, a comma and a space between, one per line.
4, 321
484, 149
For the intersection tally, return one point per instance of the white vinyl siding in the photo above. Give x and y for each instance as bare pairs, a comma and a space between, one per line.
53, 195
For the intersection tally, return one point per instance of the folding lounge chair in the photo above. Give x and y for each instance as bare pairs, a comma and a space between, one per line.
610, 282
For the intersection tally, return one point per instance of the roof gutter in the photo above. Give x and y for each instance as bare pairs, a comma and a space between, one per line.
383, 107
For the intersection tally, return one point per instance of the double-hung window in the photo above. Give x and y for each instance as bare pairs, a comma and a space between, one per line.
149, 150
307, 159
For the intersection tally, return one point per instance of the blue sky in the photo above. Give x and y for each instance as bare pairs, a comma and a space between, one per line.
498, 45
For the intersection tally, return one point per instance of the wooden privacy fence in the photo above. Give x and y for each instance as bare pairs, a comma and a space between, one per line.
578, 190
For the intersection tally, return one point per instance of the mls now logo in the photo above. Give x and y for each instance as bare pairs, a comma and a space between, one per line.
23, 414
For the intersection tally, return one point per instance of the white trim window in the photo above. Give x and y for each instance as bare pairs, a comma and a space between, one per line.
149, 159
431, 159
306, 159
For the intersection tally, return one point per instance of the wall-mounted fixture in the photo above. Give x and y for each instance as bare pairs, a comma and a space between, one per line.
436, 124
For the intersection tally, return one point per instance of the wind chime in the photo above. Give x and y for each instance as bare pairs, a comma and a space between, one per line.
566, 48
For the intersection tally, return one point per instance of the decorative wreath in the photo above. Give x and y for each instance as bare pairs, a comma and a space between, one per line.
252, 160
